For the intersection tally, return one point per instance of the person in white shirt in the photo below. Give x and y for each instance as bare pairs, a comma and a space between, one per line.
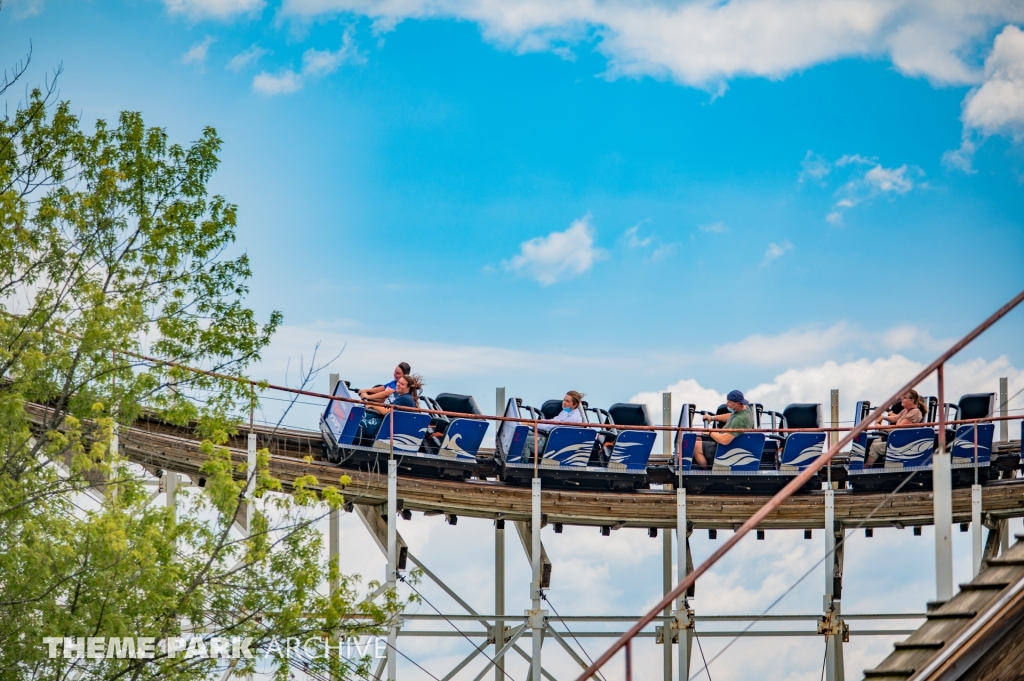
570, 414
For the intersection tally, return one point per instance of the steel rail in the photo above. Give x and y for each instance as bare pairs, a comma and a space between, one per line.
794, 485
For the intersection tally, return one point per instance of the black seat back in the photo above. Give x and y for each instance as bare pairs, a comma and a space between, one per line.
625, 414
802, 416
460, 404
756, 410
977, 405
550, 409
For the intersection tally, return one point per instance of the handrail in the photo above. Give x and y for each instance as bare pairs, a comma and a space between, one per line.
795, 484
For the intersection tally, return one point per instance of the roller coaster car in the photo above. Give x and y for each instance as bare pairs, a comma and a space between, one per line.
741, 466
579, 456
911, 449
450, 455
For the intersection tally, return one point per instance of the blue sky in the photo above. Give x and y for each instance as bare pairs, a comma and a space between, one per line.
775, 195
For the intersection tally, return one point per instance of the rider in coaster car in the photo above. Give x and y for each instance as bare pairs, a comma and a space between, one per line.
570, 414
379, 393
406, 394
913, 412
738, 419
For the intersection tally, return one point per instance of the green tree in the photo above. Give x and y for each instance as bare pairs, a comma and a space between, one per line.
111, 246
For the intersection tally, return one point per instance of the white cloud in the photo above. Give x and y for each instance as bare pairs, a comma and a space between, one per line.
659, 252
197, 53
705, 44
996, 107
814, 167
213, 9
23, 9
889, 179
807, 344
877, 379
248, 56
792, 346
315, 63
855, 159
662, 252
323, 62
909, 336
559, 255
633, 239
862, 185
281, 83
714, 228
962, 158
686, 391
776, 251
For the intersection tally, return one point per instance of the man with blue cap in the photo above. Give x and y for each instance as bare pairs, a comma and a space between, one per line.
737, 420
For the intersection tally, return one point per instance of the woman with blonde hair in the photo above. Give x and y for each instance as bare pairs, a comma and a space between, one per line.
914, 409
570, 413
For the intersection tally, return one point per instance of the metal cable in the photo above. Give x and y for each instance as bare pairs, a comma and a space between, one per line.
812, 569
395, 648
589, 659
701, 649
445, 617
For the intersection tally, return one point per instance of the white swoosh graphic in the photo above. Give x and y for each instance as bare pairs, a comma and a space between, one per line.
911, 450
735, 457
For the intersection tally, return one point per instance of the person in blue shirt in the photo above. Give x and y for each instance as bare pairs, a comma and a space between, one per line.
379, 393
406, 394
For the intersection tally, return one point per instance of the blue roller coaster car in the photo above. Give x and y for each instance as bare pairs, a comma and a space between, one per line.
593, 455
911, 449
752, 463
424, 444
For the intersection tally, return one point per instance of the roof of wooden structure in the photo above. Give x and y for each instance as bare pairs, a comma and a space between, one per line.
974, 636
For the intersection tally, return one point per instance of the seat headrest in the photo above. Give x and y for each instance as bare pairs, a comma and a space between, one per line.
802, 416
863, 409
977, 405
722, 409
550, 409
460, 404
625, 414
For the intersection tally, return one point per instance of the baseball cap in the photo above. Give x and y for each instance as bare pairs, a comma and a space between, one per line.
736, 396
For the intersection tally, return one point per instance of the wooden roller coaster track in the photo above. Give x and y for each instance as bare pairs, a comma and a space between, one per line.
296, 453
